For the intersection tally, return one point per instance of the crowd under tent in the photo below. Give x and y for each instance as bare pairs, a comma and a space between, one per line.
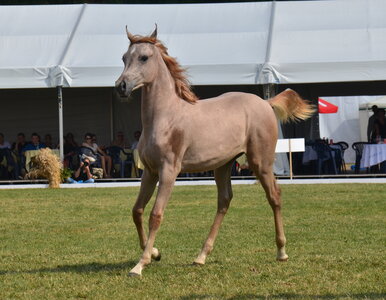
63, 60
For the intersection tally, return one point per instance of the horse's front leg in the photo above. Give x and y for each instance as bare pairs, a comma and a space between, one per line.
148, 184
167, 178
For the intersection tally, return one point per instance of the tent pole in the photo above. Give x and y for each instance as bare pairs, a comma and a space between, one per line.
60, 104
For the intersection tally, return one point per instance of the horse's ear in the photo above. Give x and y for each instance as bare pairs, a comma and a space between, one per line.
154, 34
129, 36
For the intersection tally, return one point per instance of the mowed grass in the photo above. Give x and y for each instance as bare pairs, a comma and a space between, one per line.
81, 244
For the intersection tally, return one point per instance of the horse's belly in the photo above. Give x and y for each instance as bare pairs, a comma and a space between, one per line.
198, 161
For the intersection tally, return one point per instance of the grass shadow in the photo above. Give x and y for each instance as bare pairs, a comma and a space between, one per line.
92, 267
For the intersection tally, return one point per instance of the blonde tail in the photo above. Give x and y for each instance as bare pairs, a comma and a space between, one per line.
289, 106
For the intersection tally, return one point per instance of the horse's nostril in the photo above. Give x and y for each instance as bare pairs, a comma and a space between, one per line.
123, 86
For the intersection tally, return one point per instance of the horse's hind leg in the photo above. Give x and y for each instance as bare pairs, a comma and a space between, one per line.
224, 189
272, 191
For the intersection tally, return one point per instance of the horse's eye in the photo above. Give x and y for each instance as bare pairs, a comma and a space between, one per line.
143, 58
123, 58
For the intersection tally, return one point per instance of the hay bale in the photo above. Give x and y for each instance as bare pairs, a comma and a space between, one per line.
46, 165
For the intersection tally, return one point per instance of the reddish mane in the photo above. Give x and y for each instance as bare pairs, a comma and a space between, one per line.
182, 85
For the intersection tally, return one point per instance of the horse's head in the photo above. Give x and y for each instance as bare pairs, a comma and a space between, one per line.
140, 63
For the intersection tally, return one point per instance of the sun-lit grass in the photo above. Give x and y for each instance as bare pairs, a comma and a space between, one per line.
81, 243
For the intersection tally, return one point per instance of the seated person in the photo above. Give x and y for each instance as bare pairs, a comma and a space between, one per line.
17, 147
3, 143
70, 148
35, 143
48, 141
137, 135
83, 173
106, 160
10, 160
120, 141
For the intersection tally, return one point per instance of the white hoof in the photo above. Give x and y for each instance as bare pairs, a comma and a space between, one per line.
155, 254
282, 258
132, 274
281, 255
136, 271
199, 261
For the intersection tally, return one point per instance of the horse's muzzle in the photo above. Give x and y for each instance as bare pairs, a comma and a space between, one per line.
125, 88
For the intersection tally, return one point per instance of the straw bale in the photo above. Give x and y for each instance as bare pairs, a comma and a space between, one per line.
46, 165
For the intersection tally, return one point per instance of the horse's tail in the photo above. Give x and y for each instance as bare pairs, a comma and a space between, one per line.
289, 106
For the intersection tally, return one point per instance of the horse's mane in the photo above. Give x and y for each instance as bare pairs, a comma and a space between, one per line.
182, 84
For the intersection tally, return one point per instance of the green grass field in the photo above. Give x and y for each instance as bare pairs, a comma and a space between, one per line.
81, 244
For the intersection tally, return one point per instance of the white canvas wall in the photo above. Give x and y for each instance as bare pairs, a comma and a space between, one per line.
36, 110
345, 125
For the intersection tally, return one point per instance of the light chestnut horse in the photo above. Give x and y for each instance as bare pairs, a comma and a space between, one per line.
182, 134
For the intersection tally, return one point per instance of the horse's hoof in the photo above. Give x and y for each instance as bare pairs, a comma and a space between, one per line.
284, 258
155, 254
158, 257
133, 274
198, 263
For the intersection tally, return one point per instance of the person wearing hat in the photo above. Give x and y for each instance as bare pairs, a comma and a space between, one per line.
106, 160
83, 173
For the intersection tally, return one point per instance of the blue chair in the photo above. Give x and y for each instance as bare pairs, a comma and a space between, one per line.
326, 163
343, 148
116, 154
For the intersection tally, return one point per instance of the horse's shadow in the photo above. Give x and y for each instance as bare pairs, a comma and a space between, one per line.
93, 267
286, 296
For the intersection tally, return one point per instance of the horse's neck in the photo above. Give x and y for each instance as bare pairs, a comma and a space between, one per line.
159, 100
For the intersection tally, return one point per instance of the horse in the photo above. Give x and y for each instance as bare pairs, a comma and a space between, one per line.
183, 134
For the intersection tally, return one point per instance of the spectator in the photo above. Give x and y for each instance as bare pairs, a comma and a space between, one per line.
379, 132
137, 135
120, 141
370, 125
48, 141
17, 147
5, 152
70, 149
3, 143
106, 160
35, 143
83, 173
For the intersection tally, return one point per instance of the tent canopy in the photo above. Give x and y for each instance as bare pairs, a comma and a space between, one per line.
380, 102
220, 44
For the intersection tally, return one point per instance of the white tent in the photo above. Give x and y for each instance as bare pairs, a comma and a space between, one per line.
220, 44
378, 101
327, 41
349, 124
82, 45
233, 43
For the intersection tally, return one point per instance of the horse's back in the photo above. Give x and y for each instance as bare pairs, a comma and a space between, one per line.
226, 126
239, 106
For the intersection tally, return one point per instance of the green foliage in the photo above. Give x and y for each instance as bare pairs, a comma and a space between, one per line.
65, 173
81, 243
